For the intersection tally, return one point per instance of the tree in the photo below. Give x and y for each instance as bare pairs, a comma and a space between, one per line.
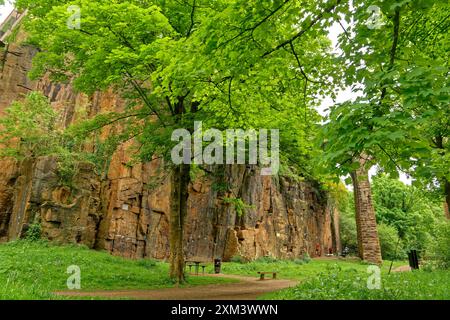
389, 242
29, 128
175, 62
413, 213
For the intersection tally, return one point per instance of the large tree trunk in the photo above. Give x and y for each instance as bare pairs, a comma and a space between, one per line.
179, 208
366, 225
447, 199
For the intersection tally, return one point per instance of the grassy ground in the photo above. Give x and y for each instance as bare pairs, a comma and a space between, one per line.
30, 270
331, 279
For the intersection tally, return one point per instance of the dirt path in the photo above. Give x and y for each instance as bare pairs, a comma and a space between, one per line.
247, 289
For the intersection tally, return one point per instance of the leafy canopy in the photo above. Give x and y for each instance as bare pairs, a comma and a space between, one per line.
28, 129
401, 120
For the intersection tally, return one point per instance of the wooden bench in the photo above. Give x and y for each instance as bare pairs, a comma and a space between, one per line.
262, 274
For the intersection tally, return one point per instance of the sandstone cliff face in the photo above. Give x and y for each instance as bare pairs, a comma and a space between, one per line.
126, 214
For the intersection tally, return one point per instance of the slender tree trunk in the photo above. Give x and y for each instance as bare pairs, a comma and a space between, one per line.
447, 198
366, 225
179, 209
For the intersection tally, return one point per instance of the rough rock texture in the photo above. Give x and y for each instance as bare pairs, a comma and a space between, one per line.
15, 62
124, 212
8, 178
66, 214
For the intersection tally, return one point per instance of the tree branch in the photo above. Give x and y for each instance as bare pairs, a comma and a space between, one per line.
191, 27
393, 48
300, 65
255, 26
303, 31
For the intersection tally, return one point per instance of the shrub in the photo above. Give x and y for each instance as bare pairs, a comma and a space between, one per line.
306, 258
348, 235
338, 284
29, 128
67, 166
239, 205
298, 261
439, 253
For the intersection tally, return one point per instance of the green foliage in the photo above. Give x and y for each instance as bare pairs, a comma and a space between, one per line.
36, 269
29, 128
245, 65
32, 128
348, 234
438, 255
67, 167
411, 211
306, 259
402, 212
347, 223
389, 242
268, 260
196, 172
221, 187
188, 53
338, 284
239, 205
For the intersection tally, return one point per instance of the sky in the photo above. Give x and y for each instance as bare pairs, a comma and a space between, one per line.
342, 95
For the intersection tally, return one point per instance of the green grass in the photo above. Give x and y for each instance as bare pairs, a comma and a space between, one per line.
33, 270
338, 284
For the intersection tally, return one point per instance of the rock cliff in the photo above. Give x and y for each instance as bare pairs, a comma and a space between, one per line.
125, 213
